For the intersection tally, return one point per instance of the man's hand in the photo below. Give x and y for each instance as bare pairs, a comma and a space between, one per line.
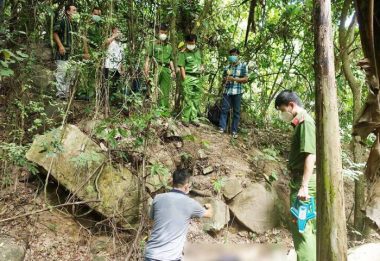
173, 74
146, 74
303, 193
86, 56
209, 211
207, 206
61, 50
122, 70
115, 35
230, 79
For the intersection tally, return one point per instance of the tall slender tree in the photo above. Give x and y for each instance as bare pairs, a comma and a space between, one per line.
346, 39
331, 221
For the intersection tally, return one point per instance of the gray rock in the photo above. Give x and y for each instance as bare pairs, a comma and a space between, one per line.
255, 208
208, 170
157, 181
159, 154
231, 188
220, 217
80, 165
174, 130
202, 154
44, 78
10, 250
89, 126
370, 252
42, 53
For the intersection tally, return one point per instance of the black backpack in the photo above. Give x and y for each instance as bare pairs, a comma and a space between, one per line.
213, 112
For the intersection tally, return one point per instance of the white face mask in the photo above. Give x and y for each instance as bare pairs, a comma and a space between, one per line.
75, 17
191, 46
286, 116
163, 37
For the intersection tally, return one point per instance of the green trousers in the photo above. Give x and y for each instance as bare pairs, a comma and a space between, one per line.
191, 97
164, 86
305, 243
91, 72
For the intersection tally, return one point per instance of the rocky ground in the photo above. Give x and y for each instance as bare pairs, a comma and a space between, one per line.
245, 180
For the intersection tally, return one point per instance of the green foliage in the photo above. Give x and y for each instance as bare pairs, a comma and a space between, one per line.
218, 184
15, 155
12, 154
189, 138
54, 146
370, 140
86, 159
163, 173
272, 178
351, 170
111, 134
7, 58
186, 156
270, 153
205, 144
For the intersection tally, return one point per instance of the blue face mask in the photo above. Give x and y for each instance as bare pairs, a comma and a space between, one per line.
232, 58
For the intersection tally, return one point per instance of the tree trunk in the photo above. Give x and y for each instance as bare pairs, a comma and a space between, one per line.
331, 221
2, 4
174, 42
345, 40
207, 10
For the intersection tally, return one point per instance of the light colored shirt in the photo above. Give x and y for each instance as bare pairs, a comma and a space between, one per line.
114, 55
171, 213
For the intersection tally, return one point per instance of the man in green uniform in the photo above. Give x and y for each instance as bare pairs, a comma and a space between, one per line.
93, 43
95, 34
301, 166
161, 53
190, 63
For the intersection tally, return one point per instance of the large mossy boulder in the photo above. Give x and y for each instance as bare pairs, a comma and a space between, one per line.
80, 165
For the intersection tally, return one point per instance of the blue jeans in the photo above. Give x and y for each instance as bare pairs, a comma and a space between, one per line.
229, 101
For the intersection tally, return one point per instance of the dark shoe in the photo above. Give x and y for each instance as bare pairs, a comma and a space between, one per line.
195, 123
221, 130
61, 96
82, 97
185, 123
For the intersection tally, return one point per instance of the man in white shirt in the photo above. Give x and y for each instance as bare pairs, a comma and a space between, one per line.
113, 65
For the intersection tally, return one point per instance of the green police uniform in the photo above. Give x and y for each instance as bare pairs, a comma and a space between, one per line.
95, 39
162, 54
303, 143
191, 61
95, 36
